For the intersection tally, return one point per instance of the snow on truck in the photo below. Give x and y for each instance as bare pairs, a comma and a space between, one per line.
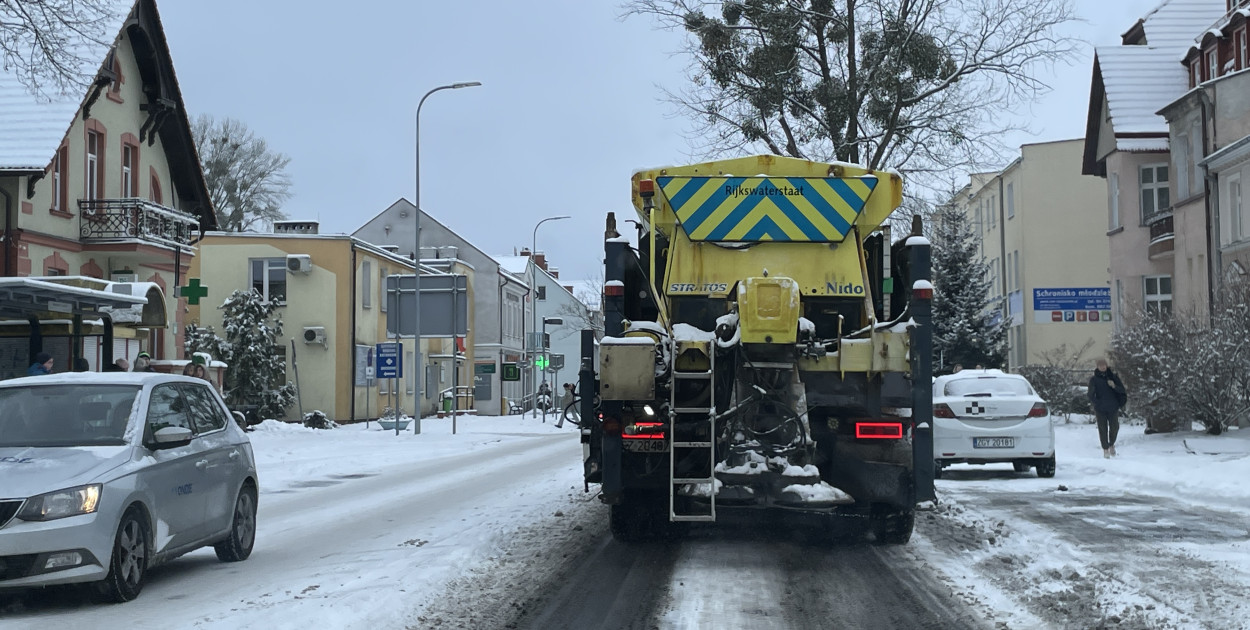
767, 347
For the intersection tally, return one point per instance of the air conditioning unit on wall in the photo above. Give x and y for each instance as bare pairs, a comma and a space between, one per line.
299, 263
315, 334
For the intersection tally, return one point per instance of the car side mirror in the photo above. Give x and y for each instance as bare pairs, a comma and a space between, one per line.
170, 437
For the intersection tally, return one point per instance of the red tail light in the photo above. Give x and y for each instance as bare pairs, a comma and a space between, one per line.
879, 430
644, 430
1039, 410
942, 410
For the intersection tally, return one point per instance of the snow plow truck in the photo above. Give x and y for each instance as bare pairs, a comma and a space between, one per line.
766, 347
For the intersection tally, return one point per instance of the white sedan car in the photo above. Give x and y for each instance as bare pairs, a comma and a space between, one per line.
103, 476
989, 416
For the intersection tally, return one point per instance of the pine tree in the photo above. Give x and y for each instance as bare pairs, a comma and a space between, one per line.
965, 330
256, 372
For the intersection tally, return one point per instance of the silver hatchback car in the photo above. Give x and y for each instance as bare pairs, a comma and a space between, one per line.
103, 476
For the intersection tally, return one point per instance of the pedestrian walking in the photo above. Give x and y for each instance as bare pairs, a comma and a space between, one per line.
1107, 396
41, 366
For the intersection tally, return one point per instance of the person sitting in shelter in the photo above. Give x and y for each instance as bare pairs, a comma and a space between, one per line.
120, 365
41, 366
143, 363
81, 365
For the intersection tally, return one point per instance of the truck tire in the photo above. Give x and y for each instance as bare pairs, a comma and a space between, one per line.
639, 517
892, 526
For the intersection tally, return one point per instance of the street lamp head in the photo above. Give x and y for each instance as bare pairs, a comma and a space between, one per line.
553, 321
457, 86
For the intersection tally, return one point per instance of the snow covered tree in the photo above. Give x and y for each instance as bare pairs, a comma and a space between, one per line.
41, 42
256, 371
965, 329
1183, 367
247, 182
206, 340
914, 85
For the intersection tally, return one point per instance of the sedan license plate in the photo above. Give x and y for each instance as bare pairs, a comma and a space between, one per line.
993, 442
643, 445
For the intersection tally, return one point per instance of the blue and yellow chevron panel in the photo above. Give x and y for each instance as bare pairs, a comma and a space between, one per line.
753, 209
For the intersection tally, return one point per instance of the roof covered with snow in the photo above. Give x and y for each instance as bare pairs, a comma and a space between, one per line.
1176, 23
513, 264
1139, 81
1140, 78
32, 125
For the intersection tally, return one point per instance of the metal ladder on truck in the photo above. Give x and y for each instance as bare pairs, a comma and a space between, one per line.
708, 415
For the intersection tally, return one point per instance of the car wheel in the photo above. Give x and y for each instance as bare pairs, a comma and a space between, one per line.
937, 470
1046, 467
1021, 466
238, 545
128, 567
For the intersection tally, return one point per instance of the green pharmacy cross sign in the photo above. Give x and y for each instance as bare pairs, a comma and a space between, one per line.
193, 291
541, 362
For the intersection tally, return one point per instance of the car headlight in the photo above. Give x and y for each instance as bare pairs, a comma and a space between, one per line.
62, 503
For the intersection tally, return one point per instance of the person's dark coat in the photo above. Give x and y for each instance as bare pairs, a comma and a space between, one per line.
1106, 391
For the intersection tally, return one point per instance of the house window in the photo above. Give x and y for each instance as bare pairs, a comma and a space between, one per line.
989, 207
1113, 200
1240, 222
268, 278
95, 142
541, 292
1213, 62
1019, 273
1241, 48
382, 285
1158, 295
60, 180
366, 286
1195, 72
1180, 161
1011, 201
154, 194
130, 170
1153, 183
980, 211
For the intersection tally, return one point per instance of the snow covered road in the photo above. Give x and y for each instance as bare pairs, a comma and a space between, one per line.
349, 537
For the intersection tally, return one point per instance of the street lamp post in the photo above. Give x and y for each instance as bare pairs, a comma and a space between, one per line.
554, 321
419, 373
534, 302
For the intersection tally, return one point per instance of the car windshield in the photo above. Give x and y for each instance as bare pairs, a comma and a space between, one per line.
988, 386
65, 415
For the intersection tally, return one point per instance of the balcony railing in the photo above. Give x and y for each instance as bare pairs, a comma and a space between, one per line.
113, 219
1162, 235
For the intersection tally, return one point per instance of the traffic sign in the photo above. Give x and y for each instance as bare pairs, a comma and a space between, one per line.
390, 361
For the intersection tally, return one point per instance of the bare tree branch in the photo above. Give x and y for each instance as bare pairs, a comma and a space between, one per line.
52, 46
247, 182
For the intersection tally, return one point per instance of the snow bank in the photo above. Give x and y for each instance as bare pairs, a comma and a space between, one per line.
822, 492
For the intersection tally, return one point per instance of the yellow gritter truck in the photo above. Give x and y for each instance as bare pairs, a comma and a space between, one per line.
767, 348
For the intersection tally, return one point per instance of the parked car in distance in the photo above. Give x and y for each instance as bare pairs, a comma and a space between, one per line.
103, 476
990, 416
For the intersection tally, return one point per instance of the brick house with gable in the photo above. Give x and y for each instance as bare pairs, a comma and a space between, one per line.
106, 183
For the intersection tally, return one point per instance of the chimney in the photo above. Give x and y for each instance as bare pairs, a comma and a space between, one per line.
568, 287
296, 227
540, 259
554, 271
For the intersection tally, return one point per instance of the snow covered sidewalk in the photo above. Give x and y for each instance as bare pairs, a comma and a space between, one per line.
1157, 537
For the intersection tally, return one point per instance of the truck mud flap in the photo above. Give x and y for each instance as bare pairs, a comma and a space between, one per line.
876, 482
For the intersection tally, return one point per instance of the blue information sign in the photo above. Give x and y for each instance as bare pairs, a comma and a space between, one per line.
390, 361
1092, 304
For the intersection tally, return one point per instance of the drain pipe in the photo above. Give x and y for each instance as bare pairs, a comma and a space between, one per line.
1215, 262
8, 231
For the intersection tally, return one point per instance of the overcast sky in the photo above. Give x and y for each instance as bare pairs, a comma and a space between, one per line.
568, 109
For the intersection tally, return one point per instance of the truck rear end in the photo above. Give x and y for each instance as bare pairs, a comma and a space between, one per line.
767, 348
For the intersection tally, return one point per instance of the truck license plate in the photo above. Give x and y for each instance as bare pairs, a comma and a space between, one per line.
993, 442
637, 445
